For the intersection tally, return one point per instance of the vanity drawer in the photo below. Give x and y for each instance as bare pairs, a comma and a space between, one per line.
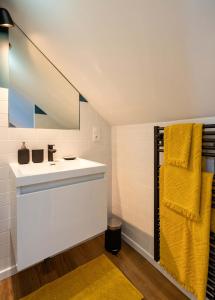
54, 220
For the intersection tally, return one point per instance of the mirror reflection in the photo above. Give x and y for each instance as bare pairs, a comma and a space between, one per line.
39, 96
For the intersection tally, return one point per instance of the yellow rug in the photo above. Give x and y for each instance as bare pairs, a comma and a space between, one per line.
98, 279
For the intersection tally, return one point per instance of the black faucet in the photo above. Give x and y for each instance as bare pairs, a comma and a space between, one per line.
51, 151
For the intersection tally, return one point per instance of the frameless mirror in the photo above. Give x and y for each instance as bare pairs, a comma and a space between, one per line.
39, 95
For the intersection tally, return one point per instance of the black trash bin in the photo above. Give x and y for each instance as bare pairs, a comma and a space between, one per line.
113, 235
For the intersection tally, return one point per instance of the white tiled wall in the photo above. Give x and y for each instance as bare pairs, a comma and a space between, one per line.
132, 180
3, 107
67, 142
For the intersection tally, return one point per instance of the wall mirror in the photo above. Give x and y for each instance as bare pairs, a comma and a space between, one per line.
39, 96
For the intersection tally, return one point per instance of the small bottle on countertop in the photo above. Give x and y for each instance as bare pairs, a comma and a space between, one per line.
23, 155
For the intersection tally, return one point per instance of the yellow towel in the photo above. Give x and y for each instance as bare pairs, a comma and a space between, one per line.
184, 244
182, 186
177, 141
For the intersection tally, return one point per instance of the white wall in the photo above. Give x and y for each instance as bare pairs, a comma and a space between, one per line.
132, 180
136, 61
67, 142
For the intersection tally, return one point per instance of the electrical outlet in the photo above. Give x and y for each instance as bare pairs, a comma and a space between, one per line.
96, 134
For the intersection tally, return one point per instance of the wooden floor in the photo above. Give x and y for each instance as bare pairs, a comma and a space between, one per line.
146, 278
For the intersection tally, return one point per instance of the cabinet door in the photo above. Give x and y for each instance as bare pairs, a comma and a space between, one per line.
53, 220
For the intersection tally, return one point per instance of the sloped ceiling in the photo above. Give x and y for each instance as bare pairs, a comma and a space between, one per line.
134, 60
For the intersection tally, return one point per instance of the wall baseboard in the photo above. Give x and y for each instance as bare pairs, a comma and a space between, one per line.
150, 259
7, 272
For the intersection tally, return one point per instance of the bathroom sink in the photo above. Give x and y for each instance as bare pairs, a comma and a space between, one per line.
30, 174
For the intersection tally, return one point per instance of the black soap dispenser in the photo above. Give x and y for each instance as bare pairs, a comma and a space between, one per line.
23, 155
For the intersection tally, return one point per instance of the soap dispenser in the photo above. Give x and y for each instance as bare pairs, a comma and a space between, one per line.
23, 155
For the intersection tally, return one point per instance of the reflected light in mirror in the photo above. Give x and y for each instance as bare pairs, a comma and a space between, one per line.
35, 82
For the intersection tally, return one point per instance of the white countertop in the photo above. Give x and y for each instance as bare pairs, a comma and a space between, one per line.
35, 173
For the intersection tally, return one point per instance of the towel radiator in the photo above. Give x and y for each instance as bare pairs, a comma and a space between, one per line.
208, 150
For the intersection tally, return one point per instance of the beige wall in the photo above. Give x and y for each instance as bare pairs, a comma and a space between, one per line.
67, 142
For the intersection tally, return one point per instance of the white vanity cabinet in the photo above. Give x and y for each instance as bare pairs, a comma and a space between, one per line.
51, 216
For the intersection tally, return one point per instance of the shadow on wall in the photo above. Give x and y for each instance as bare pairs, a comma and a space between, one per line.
116, 197
120, 206
143, 239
